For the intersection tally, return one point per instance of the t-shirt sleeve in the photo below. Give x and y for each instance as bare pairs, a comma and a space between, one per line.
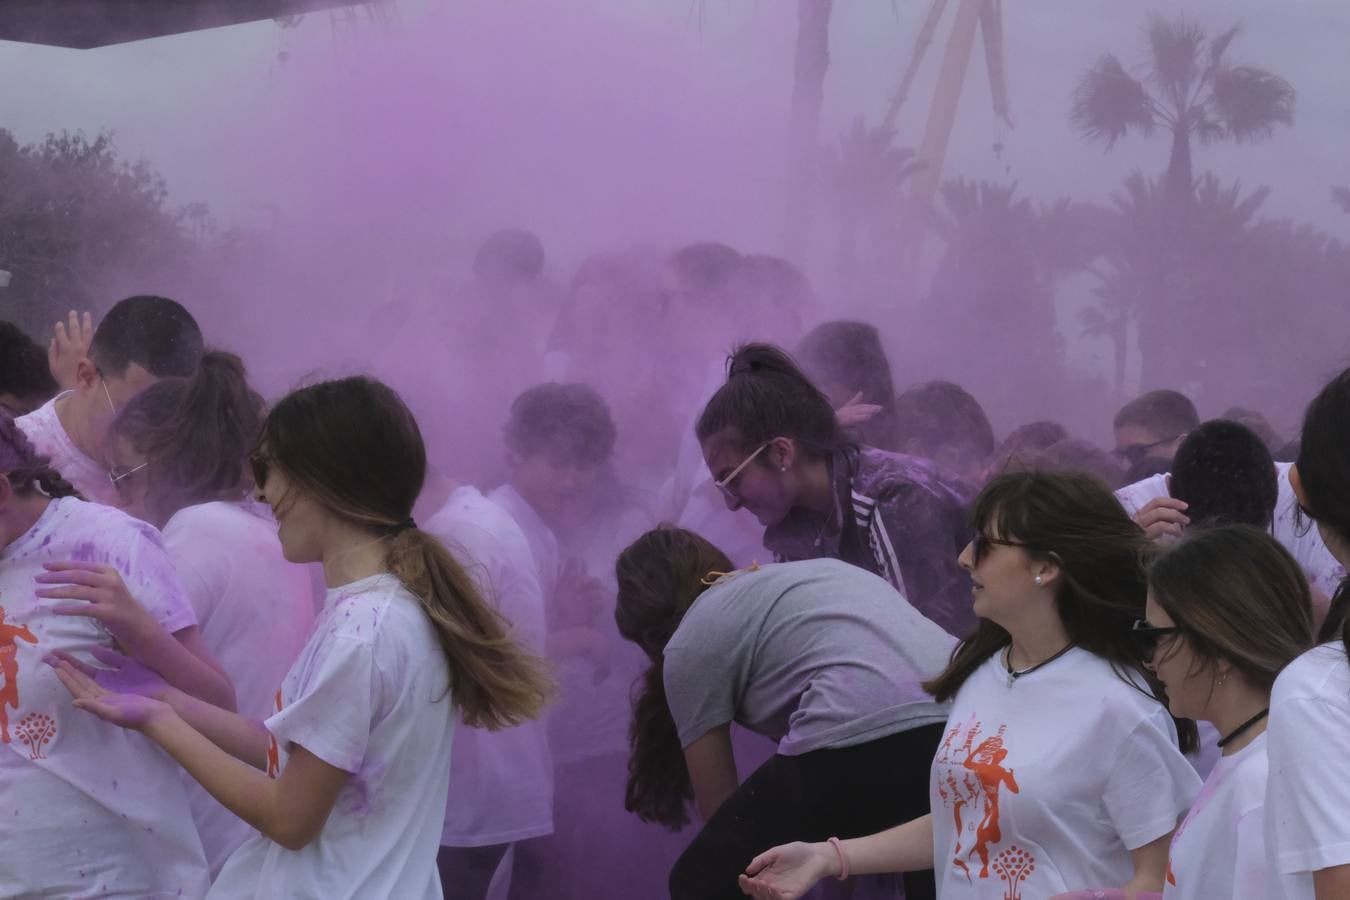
331, 715
701, 685
151, 578
1305, 800
1150, 785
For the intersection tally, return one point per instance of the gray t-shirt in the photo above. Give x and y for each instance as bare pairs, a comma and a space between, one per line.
813, 654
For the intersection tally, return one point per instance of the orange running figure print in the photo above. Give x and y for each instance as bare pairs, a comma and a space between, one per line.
9, 669
273, 751
974, 798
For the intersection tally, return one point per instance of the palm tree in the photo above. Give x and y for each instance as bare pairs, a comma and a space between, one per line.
1189, 88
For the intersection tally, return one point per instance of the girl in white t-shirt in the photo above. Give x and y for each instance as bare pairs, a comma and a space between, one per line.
180, 456
1060, 769
89, 809
1228, 608
1308, 793
358, 747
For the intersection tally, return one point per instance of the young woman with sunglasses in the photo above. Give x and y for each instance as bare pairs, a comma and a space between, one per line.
1228, 608
404, 641
1060, 768
181, 448
1308, 792
775, 447
819, 656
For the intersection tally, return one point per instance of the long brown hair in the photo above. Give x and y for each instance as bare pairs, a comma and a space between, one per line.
660, 575
195, 434
1075, 521
354, 447
1237, 595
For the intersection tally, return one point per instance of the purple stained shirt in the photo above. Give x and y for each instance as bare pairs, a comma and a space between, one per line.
898, 516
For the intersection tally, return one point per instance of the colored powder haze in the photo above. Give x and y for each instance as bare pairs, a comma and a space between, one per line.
367, 159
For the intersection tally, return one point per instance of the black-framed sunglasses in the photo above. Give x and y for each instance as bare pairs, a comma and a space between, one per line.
261, 464
1135, 453
982, 543
1151, 635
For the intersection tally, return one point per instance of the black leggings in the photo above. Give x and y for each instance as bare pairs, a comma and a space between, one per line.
849, 792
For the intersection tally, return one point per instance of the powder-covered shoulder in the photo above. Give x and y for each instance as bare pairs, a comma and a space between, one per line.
381, 613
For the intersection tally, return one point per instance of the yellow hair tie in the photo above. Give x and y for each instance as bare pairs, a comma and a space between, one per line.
714, 576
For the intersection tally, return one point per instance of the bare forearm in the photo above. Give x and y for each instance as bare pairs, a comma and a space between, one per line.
240, 788
904, 848
183, 669
243, 738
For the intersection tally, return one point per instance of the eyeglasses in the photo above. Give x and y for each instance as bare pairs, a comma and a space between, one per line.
724, 485
1150, 636
982, 543
1135, 453
119, 479
260, 463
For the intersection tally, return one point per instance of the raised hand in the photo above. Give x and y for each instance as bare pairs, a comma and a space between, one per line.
69, 344
855, 412
125, 710
1162, 517
100, 594
786, 872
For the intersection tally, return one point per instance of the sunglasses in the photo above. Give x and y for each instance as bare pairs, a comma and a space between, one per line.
724, 484
982, 543
1150, 635
1135, 453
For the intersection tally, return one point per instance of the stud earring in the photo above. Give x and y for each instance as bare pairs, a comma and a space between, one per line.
1038, 579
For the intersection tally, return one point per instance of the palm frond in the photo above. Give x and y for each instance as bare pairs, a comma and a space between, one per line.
1251, 101
1175, 47
1109, 102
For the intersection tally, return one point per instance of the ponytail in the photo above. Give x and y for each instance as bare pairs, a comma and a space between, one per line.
495, 683
767, 396
660, 575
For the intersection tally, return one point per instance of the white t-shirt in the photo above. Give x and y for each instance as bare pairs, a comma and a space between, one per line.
1046, 785
1308, 791
1304, 543
501, 782
368, 695
255, 611
89, 809
1220, 849
90, 477
590, 716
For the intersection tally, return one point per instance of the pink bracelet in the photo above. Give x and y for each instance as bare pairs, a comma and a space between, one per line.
843, 859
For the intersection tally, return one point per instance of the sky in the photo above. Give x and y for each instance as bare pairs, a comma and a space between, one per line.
173, 99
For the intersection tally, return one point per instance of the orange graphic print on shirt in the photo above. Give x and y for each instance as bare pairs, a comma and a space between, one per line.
9, 671
274, 751
974, 774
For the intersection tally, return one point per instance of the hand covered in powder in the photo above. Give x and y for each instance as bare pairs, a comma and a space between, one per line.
123, 674
102, 595
69, 344
125, 710
787, 872
855, 412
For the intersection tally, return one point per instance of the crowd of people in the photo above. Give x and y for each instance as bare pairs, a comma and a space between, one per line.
686, 625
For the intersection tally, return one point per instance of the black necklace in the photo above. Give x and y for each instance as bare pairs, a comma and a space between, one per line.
1014, 674
1228, 738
